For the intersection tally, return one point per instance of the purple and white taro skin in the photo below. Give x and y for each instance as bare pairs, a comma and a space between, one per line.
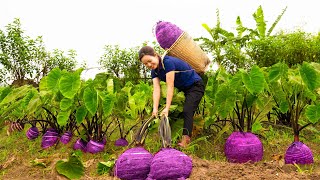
167, 34
94, 147
134, 163
243, 147
298, 153
49, 138
32, 133
121, 142
170, 163
66, 137
80, 144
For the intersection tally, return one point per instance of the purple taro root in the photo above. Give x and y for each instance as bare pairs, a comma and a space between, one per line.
121, 142
32, 133
298, 153
170, 163
242, 147
49, 138
66, 137
80, 144
134, 163
94, 147
167, 33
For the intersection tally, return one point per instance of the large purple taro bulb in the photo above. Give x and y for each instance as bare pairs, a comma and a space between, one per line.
170, 163
32, 133
298, 153
134, 163
49, 138
94, 147
167, 33
80, 144
66, 137
242, 147
121, 142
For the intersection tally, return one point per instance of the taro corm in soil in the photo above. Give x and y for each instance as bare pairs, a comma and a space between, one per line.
243, 147
298, 153
32, 133
80, 144
95, 146
169, 163
134, 163
49, 138
167, 33
66, 137
121, 142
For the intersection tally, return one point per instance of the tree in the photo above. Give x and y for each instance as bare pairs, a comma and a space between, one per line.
24, 60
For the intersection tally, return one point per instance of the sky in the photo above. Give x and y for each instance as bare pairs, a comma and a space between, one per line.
87, 26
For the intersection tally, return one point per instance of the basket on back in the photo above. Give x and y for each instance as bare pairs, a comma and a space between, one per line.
180, 44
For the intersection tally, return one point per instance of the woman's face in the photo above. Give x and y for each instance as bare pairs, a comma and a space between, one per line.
150, 62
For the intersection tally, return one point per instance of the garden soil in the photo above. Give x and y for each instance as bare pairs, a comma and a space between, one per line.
202, 170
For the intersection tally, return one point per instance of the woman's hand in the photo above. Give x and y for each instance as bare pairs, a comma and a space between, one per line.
165, 112
155, 113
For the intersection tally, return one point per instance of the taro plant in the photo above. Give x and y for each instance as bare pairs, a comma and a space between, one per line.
53, 106
241, 100
96, 102
295, 94
134, 103
14, 106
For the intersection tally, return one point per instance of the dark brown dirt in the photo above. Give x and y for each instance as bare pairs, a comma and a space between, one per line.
202, 170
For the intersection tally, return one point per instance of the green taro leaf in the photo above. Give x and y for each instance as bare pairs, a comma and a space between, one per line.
66, 103
69, 84
254, 81
4, 92
225, 100
28, 97
53, 79
34, 104
15, 94
81, 114
63, 117
110, 86
105, 167
108, 103
313, 113
90, 97
284, 106
309, 76
277, 71
72, 169
43, 85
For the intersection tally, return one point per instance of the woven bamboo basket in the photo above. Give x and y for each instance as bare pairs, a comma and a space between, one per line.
187, 49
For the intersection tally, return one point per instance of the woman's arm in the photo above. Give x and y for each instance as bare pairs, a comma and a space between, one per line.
156, 95
170, 91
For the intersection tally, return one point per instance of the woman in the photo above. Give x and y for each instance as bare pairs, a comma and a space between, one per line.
176, 73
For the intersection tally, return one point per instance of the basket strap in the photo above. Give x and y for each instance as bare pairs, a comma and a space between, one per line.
164, 54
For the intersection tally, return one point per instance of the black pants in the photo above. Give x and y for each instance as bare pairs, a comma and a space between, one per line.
193, 96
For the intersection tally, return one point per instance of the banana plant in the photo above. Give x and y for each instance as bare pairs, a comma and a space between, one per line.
229, 49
